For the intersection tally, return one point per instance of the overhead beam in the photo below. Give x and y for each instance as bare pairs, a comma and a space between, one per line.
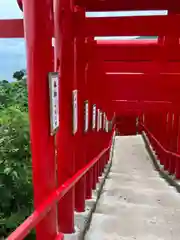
119, 5
142, 106
132, 26
128, 52
141, 87
141, 67
136, 52
11, 28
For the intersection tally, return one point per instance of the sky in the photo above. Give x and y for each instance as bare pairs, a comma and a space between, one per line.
12, 51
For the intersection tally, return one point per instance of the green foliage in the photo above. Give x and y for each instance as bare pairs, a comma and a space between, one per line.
15, 157
14, 94
19, 75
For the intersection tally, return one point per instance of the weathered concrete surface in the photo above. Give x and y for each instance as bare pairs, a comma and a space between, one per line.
135, 202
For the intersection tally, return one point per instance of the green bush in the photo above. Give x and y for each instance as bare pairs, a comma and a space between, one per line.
15, 169
15, 158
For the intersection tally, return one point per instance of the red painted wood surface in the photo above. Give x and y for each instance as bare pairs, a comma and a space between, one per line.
147, 67
65, 139
132, 26
116, 5
131, 51
11, 28
126, 124
141, 87
39, 64
80, 138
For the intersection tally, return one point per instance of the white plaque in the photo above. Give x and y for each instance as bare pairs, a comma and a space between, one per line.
98, 120
86, 125
94, 117
75, 111
54, 101
104, 121
107, 125
100, 124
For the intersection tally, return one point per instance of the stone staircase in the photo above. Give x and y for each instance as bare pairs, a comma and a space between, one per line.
136, 203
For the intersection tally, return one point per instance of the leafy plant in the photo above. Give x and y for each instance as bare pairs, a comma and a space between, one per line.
19, 74
15, 158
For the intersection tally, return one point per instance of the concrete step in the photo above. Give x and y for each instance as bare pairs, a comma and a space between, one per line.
135, 202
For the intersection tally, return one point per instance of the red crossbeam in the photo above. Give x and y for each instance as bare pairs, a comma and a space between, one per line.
118, 5
136, 52
124, 106
132, 26
11, 28
165, 87
128, 53
141, 67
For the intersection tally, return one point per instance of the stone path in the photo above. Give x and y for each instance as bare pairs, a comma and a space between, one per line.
135, 202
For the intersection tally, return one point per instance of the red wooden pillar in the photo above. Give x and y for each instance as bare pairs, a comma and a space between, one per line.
167, 139
92, 87
63, 21
140, 120
98, 143
159, 131
100, 99
89, 176
174, 142
177, 171
80, 136
164, 137
92, 134
92, 107
39, 64
110, 116
104, 100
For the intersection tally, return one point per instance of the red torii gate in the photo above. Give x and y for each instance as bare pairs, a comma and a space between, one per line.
132, 90
146, 87
74, 60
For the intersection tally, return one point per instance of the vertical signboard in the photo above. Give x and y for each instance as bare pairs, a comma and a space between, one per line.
104, 121
75, 111
94, 117
107, 125
100, 124
54, 101
98, 120
86, 115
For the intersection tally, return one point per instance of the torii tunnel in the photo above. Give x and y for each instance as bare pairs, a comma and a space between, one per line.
105, 88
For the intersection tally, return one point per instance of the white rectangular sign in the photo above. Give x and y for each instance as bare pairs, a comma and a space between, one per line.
100, 124
75, 110
86, 125
107, 125
94, 117
54, 101
98, 120
104, 121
